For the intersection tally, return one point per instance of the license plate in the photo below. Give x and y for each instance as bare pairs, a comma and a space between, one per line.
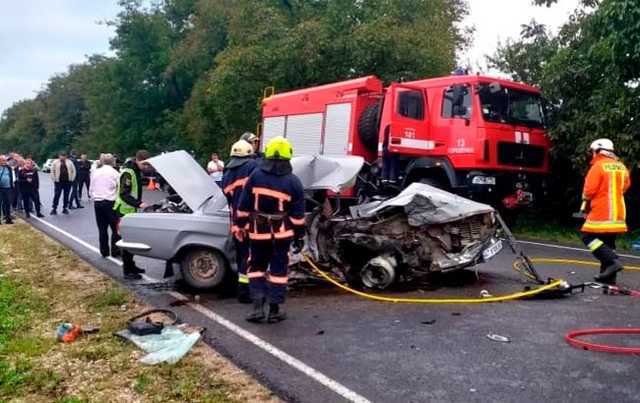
492, 250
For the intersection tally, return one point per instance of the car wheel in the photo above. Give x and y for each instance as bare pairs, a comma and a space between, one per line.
203, 268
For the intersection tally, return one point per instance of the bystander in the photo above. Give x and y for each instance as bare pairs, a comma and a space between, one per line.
63, 174
103, 190
28, 183
6, 186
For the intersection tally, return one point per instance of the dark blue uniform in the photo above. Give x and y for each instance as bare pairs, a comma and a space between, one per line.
233, 182
272, 205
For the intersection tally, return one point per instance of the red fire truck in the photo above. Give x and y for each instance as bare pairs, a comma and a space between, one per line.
477, 136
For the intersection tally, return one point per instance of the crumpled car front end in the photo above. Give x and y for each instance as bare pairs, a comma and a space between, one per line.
421, 231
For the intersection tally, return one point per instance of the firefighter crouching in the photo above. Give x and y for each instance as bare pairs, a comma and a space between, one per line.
272, 211
603, 200
236, 175
129, 200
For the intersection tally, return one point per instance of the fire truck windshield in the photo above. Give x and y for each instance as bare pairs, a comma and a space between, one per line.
508, 105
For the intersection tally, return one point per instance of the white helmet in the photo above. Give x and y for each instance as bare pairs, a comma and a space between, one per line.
241, 148
601, 144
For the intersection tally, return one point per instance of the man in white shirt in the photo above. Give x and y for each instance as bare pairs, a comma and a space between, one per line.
103, 189
215, 168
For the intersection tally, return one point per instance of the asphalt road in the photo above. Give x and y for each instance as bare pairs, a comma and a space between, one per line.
337, 347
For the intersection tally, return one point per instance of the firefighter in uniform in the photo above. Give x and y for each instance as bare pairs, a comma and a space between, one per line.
272, 211
254, 141
129, 200
603, 201
235, 177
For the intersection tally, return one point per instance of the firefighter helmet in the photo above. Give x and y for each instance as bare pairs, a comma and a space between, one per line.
278, 148
601, 144
248, 137
241, 149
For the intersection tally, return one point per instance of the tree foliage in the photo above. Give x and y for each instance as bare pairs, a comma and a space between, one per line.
190, 73
590, 73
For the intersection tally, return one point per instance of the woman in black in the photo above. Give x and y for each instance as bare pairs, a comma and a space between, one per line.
29, 184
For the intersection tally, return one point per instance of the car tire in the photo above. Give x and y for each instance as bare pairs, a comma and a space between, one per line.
203, 268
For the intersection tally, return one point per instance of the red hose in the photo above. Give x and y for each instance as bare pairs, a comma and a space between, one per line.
572, 339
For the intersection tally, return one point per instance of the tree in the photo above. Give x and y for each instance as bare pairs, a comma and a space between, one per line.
590, 73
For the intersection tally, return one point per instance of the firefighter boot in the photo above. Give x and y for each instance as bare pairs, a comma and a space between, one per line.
243, 294
257, 315
608, 276
275, 315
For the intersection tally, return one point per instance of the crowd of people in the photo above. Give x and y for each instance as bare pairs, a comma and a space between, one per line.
20, 184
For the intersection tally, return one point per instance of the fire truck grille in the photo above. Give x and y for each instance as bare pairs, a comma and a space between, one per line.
524, 155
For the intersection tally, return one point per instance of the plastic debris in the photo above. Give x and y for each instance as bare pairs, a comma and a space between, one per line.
498, 338
68, 332
169, 346
485, 294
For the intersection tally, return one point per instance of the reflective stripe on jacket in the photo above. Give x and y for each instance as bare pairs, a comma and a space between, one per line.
272, 205
120, 205
233, 183
604, 187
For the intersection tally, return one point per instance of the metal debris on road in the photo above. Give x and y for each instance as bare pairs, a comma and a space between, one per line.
485, 294
498, 338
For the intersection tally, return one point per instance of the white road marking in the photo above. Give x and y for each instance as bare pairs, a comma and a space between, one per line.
572, 248
276, 352
333, 385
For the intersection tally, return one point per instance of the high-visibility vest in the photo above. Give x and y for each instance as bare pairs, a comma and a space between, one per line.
120, 205
604, 188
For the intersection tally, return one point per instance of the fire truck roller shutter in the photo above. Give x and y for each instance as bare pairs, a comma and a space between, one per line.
336, 129
272, 127
369, 126
304, 132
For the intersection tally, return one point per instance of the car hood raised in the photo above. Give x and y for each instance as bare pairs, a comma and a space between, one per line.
329, 173
190, 181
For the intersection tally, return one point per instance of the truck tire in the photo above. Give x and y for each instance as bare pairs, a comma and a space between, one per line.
203, 268
369, 126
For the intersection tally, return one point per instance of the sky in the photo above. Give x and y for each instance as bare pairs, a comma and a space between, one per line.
39, 38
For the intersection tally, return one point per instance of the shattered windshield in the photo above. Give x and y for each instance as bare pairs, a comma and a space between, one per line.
508, 105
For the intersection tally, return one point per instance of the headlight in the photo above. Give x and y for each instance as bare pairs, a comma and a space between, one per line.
483, 180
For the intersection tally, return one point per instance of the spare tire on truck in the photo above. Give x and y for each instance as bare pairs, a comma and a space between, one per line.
369, 126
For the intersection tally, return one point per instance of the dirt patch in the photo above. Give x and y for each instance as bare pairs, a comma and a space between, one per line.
59, 287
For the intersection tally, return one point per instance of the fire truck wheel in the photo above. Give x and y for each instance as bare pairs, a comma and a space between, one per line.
369, 126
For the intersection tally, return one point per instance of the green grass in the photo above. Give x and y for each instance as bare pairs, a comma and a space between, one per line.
549, 230
34, 366
114, 296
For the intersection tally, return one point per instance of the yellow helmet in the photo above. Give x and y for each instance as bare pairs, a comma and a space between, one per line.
278, 148
241, 149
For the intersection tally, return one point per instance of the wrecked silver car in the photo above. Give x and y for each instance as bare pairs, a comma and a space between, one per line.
420, 231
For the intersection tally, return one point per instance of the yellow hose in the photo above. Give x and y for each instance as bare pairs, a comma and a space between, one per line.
509, 297
577, 262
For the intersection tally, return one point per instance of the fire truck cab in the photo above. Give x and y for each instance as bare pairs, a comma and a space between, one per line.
481, 137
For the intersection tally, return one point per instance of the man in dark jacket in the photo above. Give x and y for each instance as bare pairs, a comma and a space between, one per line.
272, 205
6, 188
84, 175
29, 185
75, 184
235, 177
129, 200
